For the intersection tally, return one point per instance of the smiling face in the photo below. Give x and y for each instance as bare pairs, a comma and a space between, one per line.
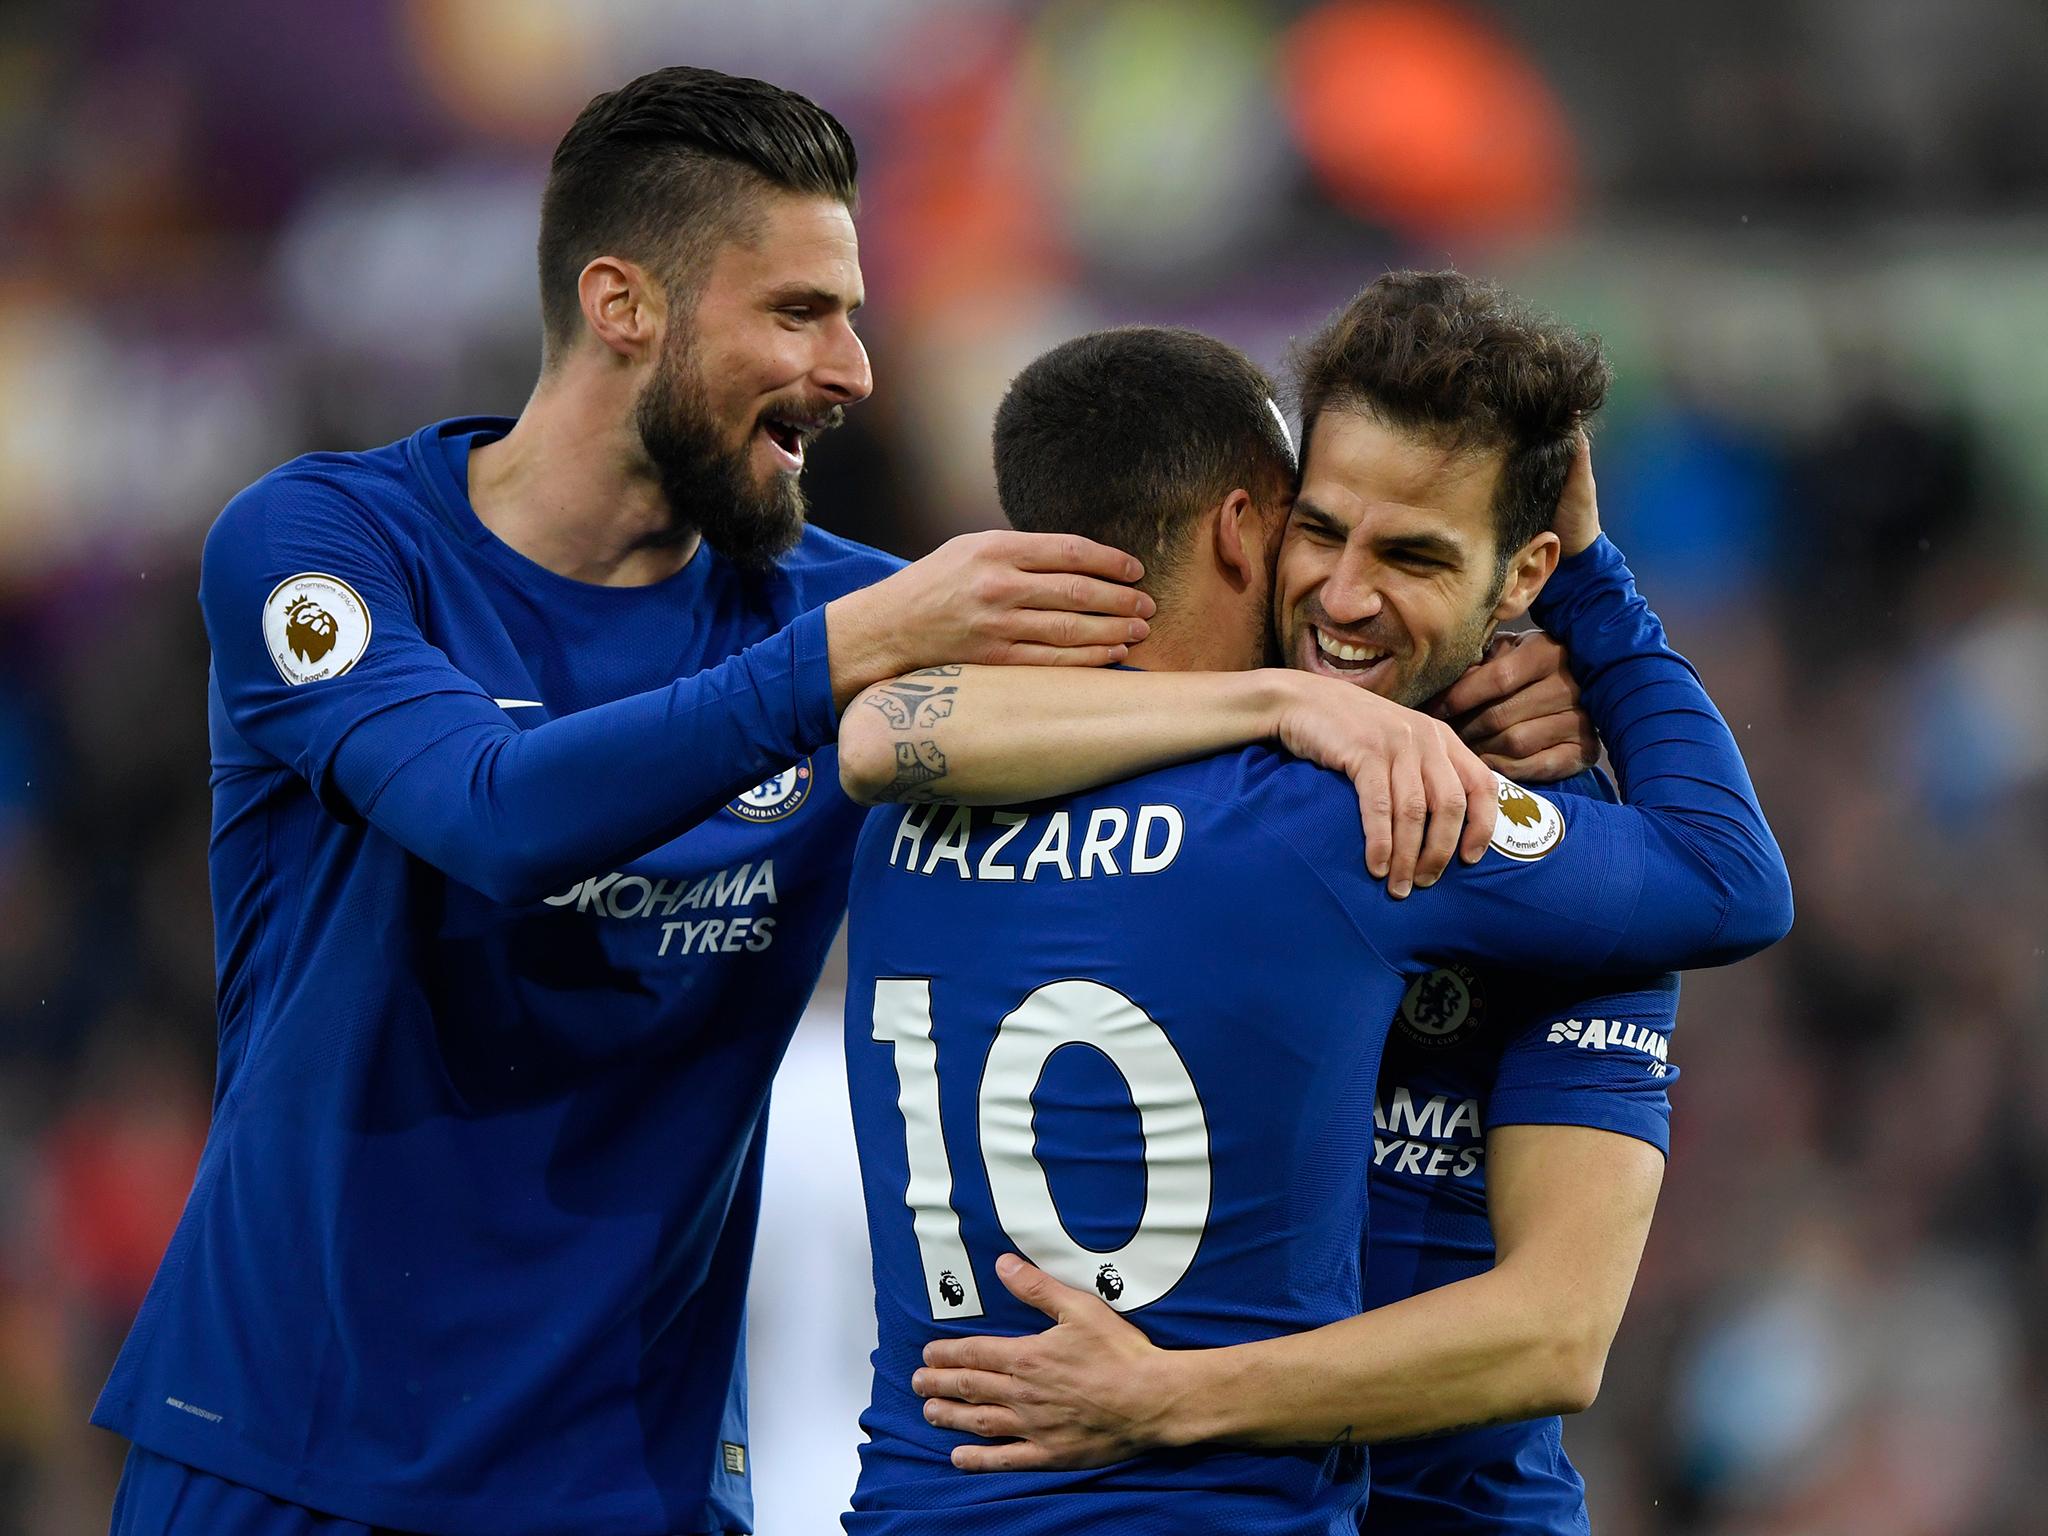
1389, 575
764, 360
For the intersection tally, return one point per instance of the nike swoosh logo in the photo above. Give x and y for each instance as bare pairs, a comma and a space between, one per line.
519, 703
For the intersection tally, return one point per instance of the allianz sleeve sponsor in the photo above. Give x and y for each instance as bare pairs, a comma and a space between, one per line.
1616, 1035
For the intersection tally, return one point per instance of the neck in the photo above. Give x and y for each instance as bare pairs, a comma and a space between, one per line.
1174, 647
569, 488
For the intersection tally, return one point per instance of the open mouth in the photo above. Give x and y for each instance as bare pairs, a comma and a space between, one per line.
1348, 659
790, 435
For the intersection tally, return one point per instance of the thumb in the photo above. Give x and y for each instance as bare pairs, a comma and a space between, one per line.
1034, 1287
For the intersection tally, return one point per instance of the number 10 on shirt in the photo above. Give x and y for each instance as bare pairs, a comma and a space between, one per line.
1170, 1116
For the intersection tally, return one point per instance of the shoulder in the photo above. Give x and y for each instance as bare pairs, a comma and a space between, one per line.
1309, 809
826, 566
369, 495
1302, 819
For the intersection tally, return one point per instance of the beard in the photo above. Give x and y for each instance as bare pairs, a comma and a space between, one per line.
1449, 662
710, 488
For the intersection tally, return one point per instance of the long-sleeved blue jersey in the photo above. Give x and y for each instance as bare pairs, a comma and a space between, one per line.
520, 886
1471, 1050
1133, 1035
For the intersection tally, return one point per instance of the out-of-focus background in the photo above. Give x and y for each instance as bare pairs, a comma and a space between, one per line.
1814, 234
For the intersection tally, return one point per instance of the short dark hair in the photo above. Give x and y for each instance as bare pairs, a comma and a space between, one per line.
1465, 363
663, 169
1128, 435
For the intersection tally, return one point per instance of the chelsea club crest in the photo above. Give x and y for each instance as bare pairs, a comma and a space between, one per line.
773, 799
1442, 1008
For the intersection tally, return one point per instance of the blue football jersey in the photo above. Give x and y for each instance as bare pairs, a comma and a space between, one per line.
1471, 1049
1134, 1036
520, 886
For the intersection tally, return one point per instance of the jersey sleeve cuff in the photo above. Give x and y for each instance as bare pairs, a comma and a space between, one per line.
817, 717
1598, 1109
1596, 568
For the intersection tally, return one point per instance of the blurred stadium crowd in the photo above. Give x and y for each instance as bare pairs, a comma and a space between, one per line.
1814, 234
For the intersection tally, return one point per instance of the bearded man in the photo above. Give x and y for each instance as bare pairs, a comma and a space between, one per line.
527, 848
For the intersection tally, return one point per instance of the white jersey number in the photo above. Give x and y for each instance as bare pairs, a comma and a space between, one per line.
1175, 1130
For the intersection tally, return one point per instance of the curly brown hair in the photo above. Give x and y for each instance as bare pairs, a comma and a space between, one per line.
1468, 365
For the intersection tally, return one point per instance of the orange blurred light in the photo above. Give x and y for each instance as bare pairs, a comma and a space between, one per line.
1423, 116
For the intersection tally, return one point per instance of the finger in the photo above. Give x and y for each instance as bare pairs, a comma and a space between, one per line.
1067, 593
1411, 817
1027, 654
1478, 687
1553, 765
1530, 737
1038, 626
1033, 1286
1017, 1456
978, 1353
988, 1420
964, 1386
1446, 817
1553, 695
1071, 552
1376, 813
1501, 676
1482, 801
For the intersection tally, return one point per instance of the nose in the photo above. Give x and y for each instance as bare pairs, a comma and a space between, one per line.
842, 370
1352, 595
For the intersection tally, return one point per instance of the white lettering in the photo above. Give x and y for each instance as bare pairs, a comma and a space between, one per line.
989, 869
727, 884
1051, 849
952, 843
593, 892
1150, 816
763, 884
1106, 828
910, 831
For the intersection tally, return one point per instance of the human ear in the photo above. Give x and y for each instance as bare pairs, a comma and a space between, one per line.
1240, 540
1527, 572
621, 307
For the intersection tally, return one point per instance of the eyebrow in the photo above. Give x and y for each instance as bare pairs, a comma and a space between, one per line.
822, 298
1308, 511
1420, 543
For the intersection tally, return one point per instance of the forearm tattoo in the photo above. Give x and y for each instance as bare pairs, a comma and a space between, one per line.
912, 701
911, 705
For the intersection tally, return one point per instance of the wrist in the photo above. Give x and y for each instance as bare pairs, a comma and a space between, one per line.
1198, 1391
1582, 539
860, 646
1283, 693
1593, 571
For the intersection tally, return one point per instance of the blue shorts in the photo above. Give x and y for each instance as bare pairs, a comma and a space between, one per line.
158, 1497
